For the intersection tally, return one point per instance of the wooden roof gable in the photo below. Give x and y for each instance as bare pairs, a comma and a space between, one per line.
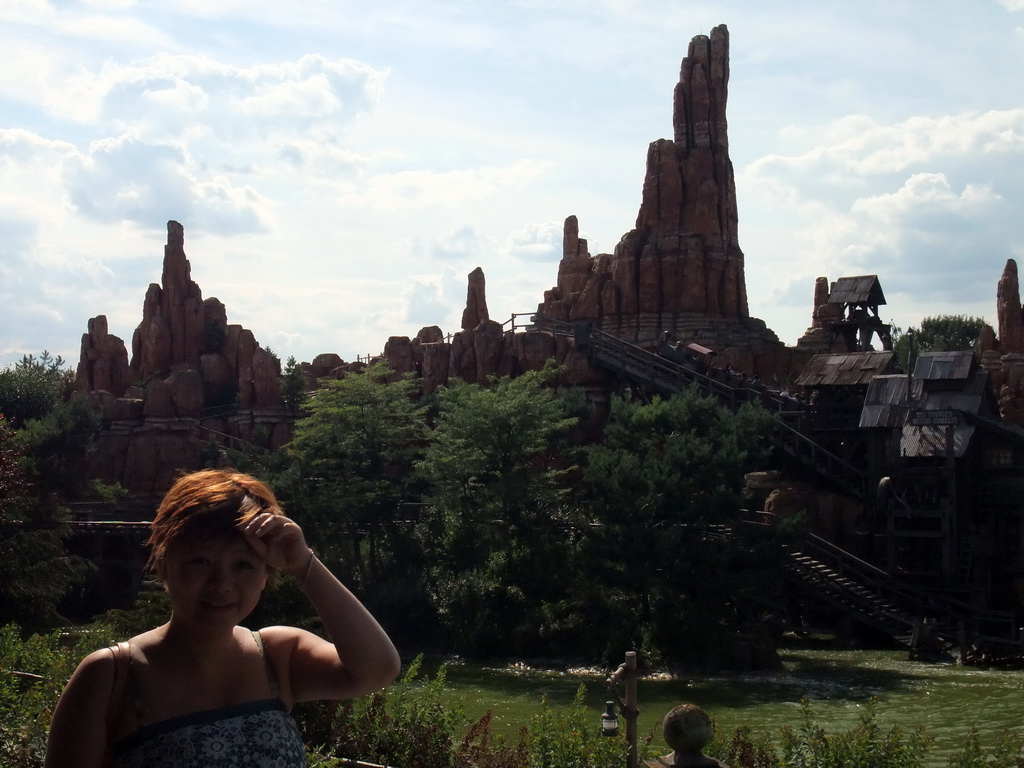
863, 289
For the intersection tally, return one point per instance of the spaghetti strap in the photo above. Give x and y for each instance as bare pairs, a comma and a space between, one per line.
138, 706
275, 690
124, 686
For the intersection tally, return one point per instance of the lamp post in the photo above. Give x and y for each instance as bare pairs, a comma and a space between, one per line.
627, 674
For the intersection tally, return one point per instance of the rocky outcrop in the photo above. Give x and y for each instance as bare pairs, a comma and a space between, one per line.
1003, 358
103, 362
400, 355
830, 515
818, 338
681, 269
1010, 316
476, 301
200, 380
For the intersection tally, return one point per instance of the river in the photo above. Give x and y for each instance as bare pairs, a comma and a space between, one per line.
946, 700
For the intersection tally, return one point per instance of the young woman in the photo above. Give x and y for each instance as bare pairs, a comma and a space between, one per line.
202, 690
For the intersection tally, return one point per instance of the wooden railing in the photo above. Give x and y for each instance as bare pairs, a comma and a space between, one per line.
666, 377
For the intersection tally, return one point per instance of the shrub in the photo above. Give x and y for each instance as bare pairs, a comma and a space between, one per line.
810, 745
32, 674
408, 725
1008, 752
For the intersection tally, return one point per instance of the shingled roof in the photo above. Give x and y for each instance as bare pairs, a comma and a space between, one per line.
863, 289
847, 369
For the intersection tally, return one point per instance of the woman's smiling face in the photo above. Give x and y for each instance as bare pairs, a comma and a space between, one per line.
213, 580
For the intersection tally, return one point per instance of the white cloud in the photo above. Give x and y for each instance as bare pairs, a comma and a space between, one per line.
927, 198
106, 29
925, 203
125, 179
459, 246
426, 189
1012, 5
425, 304
855, 146
109, 5
231, 101
19, 144
26, 11
536, 242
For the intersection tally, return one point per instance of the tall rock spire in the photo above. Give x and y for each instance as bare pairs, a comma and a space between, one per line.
681, 268
1008, 310
172, 314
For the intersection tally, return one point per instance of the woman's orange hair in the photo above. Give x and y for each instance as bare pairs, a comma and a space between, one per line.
210, 502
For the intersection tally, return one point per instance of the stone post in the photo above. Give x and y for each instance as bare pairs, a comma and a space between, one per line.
687, 729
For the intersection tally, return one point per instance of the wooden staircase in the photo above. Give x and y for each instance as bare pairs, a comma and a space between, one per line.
929, 624
851, 597
658, 375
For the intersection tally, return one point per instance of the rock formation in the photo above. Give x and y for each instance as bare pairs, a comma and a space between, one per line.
681, 268
817, 337
1003, 358
197, 379
1010, 316
103, 362
486, 349
476, 301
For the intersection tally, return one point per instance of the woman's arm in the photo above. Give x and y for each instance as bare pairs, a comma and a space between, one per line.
359, 659
79, 731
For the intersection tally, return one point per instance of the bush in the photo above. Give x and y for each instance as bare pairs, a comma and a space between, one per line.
32, 675
571, 740
1008, 752
810, 745
408, 725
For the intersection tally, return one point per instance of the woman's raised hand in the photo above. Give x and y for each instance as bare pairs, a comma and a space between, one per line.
279, 540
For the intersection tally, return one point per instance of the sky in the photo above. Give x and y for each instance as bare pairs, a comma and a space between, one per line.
341, 167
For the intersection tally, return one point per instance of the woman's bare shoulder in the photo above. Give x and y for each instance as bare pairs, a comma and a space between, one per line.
283, 641
98, 666
102, 666
79, 732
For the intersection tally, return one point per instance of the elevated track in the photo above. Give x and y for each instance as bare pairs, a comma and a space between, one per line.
930, 624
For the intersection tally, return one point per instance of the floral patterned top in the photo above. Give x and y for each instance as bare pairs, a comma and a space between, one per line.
253, 734
257, 734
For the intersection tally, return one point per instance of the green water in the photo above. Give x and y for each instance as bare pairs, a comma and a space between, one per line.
945, 699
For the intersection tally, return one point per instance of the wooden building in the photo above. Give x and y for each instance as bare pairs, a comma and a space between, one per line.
950, 479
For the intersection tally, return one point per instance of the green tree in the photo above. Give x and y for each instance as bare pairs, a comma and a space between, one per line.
346, 478
35, 568
57, 448
45, 462
293, 386
497, 526
347, 467
27, 392
947, 333
63, 376
938, 333
665, 490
